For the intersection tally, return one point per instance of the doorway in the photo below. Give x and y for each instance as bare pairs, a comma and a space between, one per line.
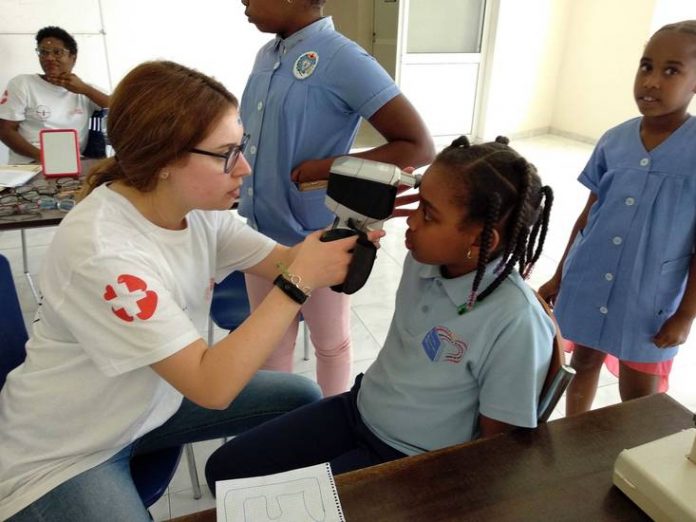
433, 50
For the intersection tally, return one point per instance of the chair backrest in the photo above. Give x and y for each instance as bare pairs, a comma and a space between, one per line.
152, 472
230, 305
559, 374
13, 333
96, 142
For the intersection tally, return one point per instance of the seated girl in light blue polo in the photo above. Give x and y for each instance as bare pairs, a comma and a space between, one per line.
469, 345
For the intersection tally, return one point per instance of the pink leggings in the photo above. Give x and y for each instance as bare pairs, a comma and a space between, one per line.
327, 314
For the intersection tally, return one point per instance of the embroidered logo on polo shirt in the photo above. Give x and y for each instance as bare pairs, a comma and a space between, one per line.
130, 298
5, 95
305, 65
440, 344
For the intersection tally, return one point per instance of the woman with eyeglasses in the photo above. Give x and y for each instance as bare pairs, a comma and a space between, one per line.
116, 364
302, 105
57, 99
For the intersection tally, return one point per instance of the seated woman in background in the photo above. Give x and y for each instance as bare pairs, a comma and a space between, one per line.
116, 364
57, 99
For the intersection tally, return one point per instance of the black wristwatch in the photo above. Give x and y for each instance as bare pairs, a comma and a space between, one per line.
292, 291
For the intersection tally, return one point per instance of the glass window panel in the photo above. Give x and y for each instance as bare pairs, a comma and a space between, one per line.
445, 26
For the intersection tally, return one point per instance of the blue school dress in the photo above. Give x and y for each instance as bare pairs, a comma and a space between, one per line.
626, 272
303, 101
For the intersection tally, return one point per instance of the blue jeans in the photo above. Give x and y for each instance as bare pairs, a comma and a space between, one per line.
106, 492
330, 430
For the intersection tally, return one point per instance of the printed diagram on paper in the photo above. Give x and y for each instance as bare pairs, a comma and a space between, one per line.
307, 494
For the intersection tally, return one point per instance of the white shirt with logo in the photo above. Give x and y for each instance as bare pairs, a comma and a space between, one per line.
119, 294
37, 104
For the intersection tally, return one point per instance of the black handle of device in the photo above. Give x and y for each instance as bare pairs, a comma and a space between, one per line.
364, 255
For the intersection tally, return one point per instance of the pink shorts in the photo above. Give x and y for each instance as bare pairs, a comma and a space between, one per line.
661, 369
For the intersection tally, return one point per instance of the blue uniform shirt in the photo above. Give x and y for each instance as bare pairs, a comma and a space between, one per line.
438, 370
303, 101
626, 272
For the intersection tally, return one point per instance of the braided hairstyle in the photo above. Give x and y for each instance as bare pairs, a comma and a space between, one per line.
503, 192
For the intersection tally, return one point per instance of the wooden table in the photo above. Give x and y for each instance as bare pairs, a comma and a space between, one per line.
559, 471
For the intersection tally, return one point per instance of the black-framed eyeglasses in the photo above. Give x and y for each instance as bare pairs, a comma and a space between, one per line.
57, 53
230, 157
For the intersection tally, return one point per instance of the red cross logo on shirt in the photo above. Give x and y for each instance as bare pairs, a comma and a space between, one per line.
5, 95
130, 298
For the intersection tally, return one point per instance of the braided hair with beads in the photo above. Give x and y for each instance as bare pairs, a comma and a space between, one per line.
503, 192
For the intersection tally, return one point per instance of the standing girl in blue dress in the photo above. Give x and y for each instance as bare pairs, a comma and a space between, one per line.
469, 345
625, 285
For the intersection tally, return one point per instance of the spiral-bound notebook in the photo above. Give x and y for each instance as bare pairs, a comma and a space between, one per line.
306, 494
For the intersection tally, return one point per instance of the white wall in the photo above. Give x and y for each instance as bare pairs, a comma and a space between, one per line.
604, 43
561, 64
353, 18
568, 65
524, 49
212, 36
668, 11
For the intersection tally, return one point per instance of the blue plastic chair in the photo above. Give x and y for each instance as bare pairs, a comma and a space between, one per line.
96, 142
151, 472
559, 374
13, 333
229, 306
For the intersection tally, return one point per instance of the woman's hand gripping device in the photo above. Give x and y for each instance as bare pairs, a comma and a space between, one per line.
362, 194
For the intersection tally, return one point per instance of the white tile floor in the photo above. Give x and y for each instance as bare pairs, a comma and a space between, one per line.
559, 161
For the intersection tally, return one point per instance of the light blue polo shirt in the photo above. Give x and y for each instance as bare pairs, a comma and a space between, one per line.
626, 272
439, 370
303, 101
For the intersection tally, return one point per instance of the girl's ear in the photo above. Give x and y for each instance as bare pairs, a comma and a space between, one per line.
495, 240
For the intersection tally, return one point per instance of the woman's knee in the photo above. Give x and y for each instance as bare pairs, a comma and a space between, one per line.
279, 392
300, 391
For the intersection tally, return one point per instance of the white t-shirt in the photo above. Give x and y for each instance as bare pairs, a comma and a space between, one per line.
38, 104
119, 294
